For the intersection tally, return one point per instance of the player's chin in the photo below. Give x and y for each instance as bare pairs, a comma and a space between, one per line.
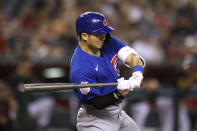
100, 45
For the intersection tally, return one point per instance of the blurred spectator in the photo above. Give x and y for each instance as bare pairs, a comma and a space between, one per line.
4, 49
186, 20
141, 108
22, 75
188, 76
8, 108
41, 111
30, 105
190, 44
175, 51
150, 50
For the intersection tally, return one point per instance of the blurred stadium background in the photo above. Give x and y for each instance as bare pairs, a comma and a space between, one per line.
37, 39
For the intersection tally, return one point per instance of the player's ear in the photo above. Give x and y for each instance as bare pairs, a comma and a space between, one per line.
84, 36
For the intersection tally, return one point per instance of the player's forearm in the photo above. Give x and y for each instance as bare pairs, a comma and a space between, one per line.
137, 65
133, 60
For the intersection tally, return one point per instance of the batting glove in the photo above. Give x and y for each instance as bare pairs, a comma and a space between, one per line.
136, 80
124, 84
86, 90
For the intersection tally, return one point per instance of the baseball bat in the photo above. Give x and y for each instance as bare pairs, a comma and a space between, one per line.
45, 87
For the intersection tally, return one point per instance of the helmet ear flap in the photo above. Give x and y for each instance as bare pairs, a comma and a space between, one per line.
108, 38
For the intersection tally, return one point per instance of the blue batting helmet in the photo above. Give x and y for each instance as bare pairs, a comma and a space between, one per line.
92, 22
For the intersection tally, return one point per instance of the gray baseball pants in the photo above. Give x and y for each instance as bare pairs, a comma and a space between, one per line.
112, 118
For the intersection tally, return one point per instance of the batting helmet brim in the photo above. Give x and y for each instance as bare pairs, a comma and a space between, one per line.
104, 30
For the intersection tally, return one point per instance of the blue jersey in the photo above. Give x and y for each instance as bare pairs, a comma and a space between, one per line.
92, 69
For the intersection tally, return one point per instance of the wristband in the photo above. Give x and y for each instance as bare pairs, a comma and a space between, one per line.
138, 68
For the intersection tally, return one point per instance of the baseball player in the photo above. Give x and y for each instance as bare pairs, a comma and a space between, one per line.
95, 61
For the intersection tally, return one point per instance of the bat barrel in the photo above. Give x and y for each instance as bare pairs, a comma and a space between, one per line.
45, 87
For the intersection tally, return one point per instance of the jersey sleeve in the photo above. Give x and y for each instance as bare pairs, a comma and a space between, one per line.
117, 44
85, 94
123, 50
